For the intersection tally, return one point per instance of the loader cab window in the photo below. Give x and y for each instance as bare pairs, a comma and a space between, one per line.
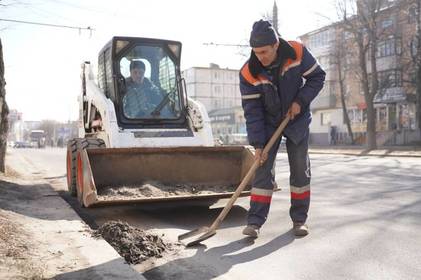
150, 91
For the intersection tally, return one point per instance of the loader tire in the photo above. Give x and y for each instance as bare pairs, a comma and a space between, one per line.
89, 143
71, 166
82, 144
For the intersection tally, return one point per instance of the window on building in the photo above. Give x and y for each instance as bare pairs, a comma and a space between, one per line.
381, 114
398, 46
404, 119
384, 48
319, 40
390, 78
412, 15
388, 47
414, 47
412, 77
215, 75
361, 88
325, 118
356, 115
387, 23
351, 115
348, 35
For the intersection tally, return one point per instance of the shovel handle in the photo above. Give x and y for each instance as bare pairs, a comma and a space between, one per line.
248, 176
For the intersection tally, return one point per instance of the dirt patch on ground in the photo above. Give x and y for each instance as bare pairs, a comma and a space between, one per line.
133, 244
15, 261
11, 173
155, 189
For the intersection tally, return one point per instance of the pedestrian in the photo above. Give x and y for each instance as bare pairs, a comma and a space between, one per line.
272, 86
333, 135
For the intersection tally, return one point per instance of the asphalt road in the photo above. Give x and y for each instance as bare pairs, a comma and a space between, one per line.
365, 223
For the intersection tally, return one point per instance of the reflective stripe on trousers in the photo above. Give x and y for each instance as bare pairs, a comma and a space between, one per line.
264, 182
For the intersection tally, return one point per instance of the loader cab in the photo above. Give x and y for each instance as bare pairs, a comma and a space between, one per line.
142, 78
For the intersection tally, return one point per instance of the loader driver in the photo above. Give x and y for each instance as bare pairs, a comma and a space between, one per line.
142, 96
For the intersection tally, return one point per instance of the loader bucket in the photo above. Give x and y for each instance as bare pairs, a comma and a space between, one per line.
141, 175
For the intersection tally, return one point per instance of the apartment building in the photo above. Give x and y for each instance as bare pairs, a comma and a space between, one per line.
395, 100
218, 89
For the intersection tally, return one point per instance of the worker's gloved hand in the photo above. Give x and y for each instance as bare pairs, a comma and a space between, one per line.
260, 156
294, 110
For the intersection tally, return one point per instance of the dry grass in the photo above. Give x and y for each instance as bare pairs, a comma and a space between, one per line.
10, 172
15, 260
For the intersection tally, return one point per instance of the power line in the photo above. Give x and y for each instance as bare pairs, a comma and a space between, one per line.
49, 24
226, 45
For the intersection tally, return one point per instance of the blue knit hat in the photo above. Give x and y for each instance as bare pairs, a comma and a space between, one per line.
263, 34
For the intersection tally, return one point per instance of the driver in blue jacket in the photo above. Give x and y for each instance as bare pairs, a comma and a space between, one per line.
280, 78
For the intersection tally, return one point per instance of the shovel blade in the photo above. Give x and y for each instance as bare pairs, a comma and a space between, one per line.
196, 236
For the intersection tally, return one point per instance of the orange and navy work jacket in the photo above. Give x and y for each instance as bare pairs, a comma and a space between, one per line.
268, 92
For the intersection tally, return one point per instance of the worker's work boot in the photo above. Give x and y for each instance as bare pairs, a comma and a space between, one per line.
251, 230
300, 229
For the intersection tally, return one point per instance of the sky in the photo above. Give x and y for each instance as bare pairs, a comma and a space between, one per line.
42, 64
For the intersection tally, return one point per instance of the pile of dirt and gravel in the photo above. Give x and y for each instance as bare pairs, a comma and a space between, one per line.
156, 189
133, 244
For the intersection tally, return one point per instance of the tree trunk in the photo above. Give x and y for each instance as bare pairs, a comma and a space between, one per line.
371, 125
418, 65
369, 96
418, 95
371, 117
342, 92
4, 112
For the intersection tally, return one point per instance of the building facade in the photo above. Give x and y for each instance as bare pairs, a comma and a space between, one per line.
395, 100
218, 89
215, 87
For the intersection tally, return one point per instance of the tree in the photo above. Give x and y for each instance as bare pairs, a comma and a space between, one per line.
4, 112
415, 51
362, 23
49, 127
341, 62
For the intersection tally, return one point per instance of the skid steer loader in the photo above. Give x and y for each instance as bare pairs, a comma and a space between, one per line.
162, 152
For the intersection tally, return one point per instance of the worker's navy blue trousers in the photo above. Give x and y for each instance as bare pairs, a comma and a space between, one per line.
264, 182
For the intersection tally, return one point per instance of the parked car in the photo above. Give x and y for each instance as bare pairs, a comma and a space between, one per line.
22, 144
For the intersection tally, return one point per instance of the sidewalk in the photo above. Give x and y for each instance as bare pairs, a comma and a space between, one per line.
391, 151
57, 241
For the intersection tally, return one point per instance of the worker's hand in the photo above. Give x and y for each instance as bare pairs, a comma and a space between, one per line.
294, 110
260, 156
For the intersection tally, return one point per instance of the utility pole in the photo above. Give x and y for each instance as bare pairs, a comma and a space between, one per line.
275, 17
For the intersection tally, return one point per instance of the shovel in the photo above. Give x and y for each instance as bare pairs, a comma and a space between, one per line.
198, 235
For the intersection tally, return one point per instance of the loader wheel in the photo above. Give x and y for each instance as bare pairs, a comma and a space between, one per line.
79, 178
88, 143
71, 166
82, 144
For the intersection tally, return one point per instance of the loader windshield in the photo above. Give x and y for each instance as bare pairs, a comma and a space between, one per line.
150, 90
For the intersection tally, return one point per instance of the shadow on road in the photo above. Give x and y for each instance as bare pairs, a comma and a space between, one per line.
114, 269
198, 266
31, 200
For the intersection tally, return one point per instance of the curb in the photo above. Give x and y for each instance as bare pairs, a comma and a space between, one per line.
376, 153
